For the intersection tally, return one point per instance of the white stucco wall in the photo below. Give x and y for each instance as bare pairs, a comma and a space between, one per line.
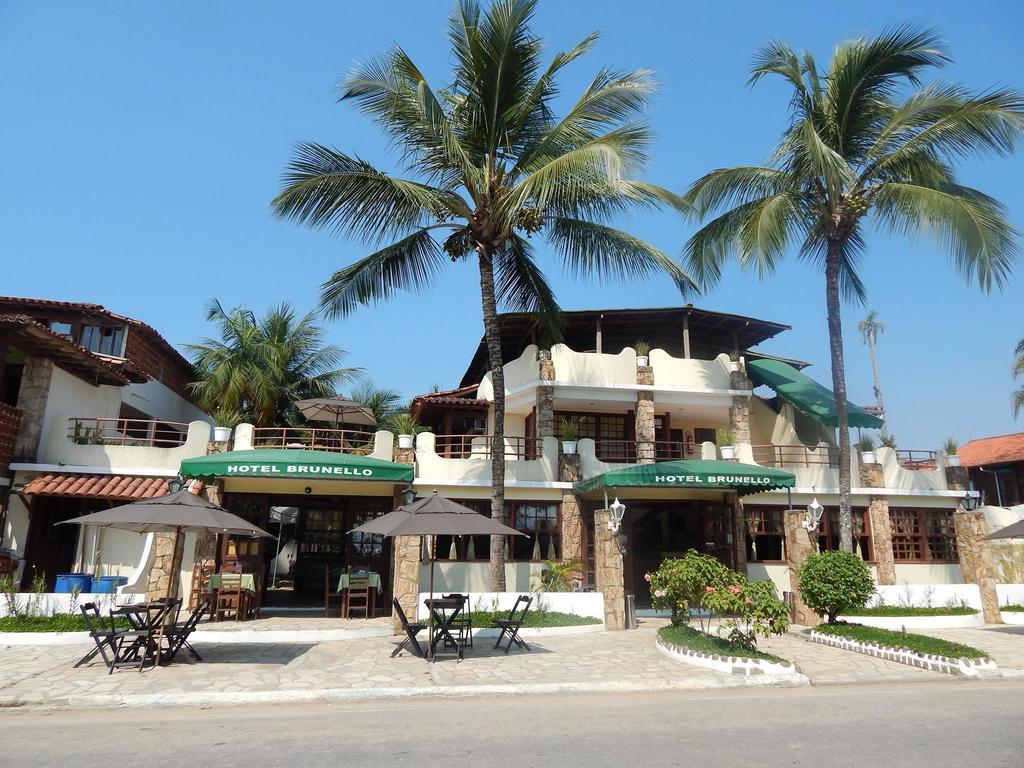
685, 373
518, 373
434, 468
15, 530
580, 603
592, 368
160, 402
777, 573
69, 397
928, 573
928, 595
474, 577
61, 450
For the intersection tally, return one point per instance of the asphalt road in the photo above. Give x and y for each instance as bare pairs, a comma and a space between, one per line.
910, 725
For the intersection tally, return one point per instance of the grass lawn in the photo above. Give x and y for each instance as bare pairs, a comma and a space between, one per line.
62, 622
896, 611
1012, 608
535, 619
918, 643
695, 640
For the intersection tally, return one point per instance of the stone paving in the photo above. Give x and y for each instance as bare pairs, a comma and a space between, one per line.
249, 672
1005, 644
286, 622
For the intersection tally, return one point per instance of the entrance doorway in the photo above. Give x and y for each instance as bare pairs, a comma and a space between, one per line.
657, 530
51, 549
310, 545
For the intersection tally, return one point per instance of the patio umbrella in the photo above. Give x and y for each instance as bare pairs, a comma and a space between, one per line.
340, 410
178, 512
435, 515
1012, 531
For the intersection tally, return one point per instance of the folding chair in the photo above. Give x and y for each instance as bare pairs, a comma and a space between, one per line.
200, 588
464, 621
177, 636
411, 630
511, 625
123, 645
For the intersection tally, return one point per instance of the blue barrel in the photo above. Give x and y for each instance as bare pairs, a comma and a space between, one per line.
108, 584
68, 581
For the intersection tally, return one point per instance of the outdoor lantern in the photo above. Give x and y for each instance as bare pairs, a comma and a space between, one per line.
813, 516
409, 494
618, 509
969, 502
175, 484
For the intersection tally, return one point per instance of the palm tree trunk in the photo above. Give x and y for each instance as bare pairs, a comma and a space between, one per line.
493, 340
878, 383
835, 339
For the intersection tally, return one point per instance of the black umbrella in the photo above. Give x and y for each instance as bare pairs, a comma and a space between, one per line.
435, 515
179, 512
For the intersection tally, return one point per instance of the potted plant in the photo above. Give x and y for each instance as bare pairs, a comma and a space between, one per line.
949, 447
734, 364
888, 441
567, 429
406, 425
642, 347
226, 420
867, 445
726, 443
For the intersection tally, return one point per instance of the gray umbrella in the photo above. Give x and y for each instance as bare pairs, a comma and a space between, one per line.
435, 515
177, 513
338, 409
1012, 531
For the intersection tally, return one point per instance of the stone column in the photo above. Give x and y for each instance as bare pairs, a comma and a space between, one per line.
166, 562
871, 476
405, 580
739, 411
608, 572
798, 548
32, 397
205, 551
572, 520
977, 566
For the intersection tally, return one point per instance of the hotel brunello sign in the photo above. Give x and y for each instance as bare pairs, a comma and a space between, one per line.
298, 470
716, 481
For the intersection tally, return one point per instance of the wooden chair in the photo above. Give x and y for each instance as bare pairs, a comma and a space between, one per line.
232, 599
200, 591
332, 597
117, 647
358, 597
510, 626
464, 621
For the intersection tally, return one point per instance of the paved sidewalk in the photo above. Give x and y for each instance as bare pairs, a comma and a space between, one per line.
1004, 643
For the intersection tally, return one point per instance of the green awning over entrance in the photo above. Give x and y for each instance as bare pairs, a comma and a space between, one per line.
286, 462
693, 473
805, 394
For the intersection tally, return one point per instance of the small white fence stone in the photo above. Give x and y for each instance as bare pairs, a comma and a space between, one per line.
935, 663
768, 672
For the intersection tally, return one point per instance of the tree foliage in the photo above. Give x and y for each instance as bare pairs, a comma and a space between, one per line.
834, 582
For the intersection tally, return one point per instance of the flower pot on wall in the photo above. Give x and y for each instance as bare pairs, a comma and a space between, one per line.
728, 452
569, 447
641, 361
868, 457
221, 434
405, 441
734, 366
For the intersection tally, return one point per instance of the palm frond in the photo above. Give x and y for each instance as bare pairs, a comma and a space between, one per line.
410, 264
735, 186
520, 286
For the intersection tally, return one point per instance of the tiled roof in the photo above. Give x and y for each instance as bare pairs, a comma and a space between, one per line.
76, 359
453, 398
113, 487
1000, 449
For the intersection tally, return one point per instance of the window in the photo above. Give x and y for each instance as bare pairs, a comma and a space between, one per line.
764, 533
103, 339
828, 532
539, 521
474, 548
61, 329
923, 535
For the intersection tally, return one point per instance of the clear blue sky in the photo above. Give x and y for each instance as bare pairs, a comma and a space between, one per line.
142, 142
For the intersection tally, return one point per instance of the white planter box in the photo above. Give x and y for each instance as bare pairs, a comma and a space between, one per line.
641, 361
952, 461
1012, 617
569, 447
728, 452
868, 457
405, 441
221, 434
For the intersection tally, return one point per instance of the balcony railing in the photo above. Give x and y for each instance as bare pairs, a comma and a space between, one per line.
920, 460
10, 421
146, 433
626, 451
795, 456
479, 447
337, 440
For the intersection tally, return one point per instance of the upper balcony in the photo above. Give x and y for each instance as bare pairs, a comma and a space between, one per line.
466, 459
378, 445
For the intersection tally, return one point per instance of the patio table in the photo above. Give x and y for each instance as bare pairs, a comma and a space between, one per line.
374, 578
248, 581
444, 611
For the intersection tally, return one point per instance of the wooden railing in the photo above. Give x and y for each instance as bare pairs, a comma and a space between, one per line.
10, 421
147, 433
911, 459
795, 456
479, 447
628, 451
337, 440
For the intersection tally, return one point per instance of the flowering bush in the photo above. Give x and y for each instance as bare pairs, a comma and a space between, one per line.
703, 584
834, 582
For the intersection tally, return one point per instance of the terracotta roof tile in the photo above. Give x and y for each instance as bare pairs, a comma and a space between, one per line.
113, 487
992, 450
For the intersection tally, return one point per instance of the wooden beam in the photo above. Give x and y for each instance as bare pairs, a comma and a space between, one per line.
686, 336
598, 339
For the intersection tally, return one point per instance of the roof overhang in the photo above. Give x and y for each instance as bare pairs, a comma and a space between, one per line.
296, 464
37, 340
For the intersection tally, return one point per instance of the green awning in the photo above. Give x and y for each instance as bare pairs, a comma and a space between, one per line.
693, 473
286, 462
805, 394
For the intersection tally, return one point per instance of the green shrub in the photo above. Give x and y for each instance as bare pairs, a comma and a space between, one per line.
61, 622
680, 584
753, 611
896, 611
832, 583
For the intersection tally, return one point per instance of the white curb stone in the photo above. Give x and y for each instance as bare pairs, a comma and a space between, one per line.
935, 663
754, 671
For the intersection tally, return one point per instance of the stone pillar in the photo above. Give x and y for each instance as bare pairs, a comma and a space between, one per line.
35, 389
546, 412
739, 411
608, 572
166, 562
644, 427
798, 548
545, 366
572, 520
871, 476
977, 565
405, 580
205, 551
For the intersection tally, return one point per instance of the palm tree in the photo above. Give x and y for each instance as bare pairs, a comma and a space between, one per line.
383, 402
1018, 370
869, 329
260, 367
487, 165
857, 150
